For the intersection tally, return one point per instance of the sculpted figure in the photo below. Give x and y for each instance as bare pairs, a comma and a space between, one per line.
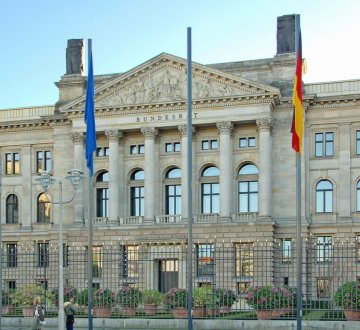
75, 56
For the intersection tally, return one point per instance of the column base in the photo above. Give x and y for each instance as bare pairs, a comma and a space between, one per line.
149, 221
224, 219
113, 222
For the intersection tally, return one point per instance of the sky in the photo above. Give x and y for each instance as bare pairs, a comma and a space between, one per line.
126, 33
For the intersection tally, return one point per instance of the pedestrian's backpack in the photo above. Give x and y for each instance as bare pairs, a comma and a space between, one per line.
41, 313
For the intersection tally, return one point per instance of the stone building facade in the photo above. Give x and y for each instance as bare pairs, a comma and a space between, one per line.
243, 170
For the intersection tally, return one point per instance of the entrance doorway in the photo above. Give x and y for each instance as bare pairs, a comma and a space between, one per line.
168, 274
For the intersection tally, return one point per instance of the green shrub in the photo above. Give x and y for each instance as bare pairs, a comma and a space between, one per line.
348, 296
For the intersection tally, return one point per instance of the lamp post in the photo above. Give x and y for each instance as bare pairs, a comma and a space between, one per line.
46, 180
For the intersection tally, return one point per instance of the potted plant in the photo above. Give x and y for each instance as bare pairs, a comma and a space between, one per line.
151, 299
213, 304
103, 300
8, 305
177, 300
129, 299
227, 298
285, 302
69, 292
200, 299
347, 296
25, 295
263, 299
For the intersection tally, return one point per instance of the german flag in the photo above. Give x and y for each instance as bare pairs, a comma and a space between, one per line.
297, 127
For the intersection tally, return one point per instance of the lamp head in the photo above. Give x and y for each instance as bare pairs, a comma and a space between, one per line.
75, 176
45, 180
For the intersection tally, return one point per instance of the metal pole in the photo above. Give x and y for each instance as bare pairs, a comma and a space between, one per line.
189, 176
299, 243
298, 205
90, 233
1, 249
61, 265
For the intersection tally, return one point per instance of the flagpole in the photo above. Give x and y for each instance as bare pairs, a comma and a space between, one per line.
189, 176
298, 205
90, 210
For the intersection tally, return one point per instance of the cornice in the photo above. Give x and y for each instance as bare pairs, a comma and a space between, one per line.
23, 126
179, 106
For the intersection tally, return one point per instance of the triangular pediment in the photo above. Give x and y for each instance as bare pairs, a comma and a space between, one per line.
163, 80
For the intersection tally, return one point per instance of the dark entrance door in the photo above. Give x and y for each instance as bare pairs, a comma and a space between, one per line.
168, 274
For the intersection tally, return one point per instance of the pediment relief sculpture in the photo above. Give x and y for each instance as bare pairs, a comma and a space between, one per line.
168, 85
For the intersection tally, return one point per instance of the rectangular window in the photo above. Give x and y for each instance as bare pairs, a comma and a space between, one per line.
323, 288
11, 255
247, 142
43, 254
43, 161
209, 144
243, 287
102, 152
205, 259
65, 255
137, 201
324, 249
137, 149
130, 261
12, 163
244, 259
286, 250
324, 144
97, 261
172, 147
242, 143
358, 142
358, 249
11, 284
251, 142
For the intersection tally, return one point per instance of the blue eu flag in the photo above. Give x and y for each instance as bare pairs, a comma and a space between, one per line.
89, 115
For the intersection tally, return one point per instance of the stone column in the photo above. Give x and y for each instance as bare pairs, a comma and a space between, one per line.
225, 131
29, 200
113, 136
184, 160
149, 189
79, 156
265, 151
345, 187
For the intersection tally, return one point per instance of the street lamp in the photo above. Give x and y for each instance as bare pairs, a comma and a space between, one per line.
46, 180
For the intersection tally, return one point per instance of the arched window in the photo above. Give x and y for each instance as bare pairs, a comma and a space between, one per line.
102, 195
43, 208
210, 192
324, 197
137, 193
248, 189
173, 191
358, 196
12, 209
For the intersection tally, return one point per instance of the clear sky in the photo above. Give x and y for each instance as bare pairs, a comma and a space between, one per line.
126, 33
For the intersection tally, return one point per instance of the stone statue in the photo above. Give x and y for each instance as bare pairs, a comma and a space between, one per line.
75, 56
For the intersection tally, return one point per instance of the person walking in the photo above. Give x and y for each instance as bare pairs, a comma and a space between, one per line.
70, 310
38, 315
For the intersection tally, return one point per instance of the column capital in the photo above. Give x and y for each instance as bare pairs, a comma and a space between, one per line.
225, 127
264, 124
114, 135
77, 137
149, 132
183, 129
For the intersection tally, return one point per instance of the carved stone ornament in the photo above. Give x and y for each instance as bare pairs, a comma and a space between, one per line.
225, 127
264, 124
77, 137
167, 84
149, 132
183, 130
113, 135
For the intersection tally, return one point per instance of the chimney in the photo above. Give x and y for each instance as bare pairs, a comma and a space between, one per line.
285, 34
75, 56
